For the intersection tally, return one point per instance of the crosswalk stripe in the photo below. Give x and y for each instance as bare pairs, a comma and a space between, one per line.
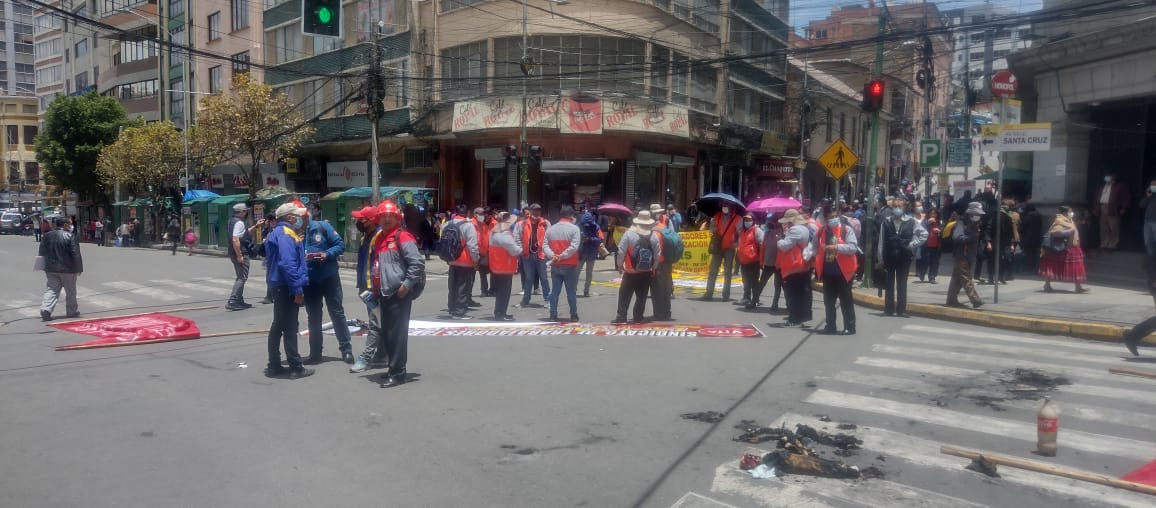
1089, 442
132, 287
1009, 350
220, 282
696, 500
1078, 411
189, 286
925, 453
89, 297
1055, 342
1009, 362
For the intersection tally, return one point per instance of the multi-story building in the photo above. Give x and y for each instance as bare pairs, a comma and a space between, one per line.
19, 172
67, 60
627, 101
981, 46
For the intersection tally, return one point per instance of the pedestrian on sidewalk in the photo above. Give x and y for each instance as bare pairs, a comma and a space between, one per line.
323, 246
965, 244
504, 252
62, 265
770, 252
1110, 203
460, 237
240, 251
750, 257
1063, 258
1149, 206
1031, 236
98, 232
366, 224
662, 288
561, 252
641, 251
794, 266
190, 240
287, 275
588, 252
530, 233
400, 274
928, 263
899, 236
724, 233
835, 265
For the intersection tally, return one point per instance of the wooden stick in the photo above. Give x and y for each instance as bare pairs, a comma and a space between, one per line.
229, 334
1041, 467
1125, 371
183, 309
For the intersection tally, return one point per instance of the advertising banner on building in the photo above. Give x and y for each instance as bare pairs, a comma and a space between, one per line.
622, 115
347, 174
581, 113
504, 113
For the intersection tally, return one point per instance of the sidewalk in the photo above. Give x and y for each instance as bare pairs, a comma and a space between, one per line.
1104, 313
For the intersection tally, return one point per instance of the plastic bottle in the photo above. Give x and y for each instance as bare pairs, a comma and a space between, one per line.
1047, 426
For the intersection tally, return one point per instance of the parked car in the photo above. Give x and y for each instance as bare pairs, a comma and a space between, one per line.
11, 223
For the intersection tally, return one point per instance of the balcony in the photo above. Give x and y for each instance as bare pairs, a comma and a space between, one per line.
333, 62
754, 13
356, 127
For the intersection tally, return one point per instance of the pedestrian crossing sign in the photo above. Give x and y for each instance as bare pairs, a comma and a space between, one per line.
838, 159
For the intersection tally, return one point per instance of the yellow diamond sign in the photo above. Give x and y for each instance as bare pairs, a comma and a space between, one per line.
838, 159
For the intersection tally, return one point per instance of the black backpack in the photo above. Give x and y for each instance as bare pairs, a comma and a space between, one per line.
450, 245
643, 256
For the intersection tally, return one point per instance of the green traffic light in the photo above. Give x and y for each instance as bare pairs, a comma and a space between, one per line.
324, 15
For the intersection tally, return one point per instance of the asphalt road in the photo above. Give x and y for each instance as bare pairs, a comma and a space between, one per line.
525, 421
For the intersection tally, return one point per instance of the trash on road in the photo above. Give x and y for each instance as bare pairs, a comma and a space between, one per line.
242, 365
795, 456
705, 416
982, 465
1041, 467
762, 471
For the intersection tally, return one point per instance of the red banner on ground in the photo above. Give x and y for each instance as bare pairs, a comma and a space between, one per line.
436, 329
130, 330
1145, 475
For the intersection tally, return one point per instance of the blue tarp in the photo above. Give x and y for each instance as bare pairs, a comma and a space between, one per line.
198, 194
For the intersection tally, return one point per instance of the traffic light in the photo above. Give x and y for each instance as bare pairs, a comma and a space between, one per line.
511, 153
535, 153
873, 93
321, 17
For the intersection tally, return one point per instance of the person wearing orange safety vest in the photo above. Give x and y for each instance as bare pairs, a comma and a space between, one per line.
836, 261
724, 232
504, 253
484, 224
750, 256
795, 269
462, 269
641, 253
561, 250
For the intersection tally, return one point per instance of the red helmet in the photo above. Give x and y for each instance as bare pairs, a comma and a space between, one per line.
388, 208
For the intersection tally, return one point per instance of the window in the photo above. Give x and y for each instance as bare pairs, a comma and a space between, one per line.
283, 44
659, 72
705, 84
819, 35
176, 7
240, 63
138, 90
81, 48
1000, 53
179, 38
309, 104
177, 102
81, 80
46, 22
240, 12
449, 5
401, 84
843, 125
32, 173
680, 79
48, 48
215, 76
49, 75
325, 44
977, 19
978, 37
975, 55
132, 51
30, 132
12, 133
572, 62
464, 70
215, 26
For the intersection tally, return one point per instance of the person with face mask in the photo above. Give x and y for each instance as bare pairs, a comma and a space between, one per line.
504, 251
724, 232
62, 265
899, 236
287, 277
835, 265
965, 245
750, 256
400, 278
323, 245
1109, 204
370, 231
1063, 258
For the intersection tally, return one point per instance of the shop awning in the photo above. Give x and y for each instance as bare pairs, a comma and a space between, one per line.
576, 167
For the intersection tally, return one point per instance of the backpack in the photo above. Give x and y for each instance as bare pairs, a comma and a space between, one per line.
643, 256
672, 246
590, 232
450, 244
945, 240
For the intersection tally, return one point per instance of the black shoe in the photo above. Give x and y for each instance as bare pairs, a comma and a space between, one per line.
706, 298
45, 315
235, 307
932, 281
744, 301
299, 373
246, 305
792, 324
977, 305
276, 372
506, 317
902, 315
956, 305
574, 318
1132, 341
72, 316
473, 304
266, 301
347, 357
619, 321
312, 360
848, 331
394, 380
554, 319
663, 318
586, 294
750, 306
459, 317
828, 331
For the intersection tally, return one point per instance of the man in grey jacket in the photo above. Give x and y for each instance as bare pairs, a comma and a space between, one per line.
462, 269
400, 276
899, 236
62, 264
561, 250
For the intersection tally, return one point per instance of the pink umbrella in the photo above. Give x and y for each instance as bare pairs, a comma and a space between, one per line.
774, 205
615, 209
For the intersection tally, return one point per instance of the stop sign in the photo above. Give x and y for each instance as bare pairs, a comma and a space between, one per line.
1004, 84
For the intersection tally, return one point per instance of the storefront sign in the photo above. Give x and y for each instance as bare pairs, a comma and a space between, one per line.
1027, 137
505, 113
773, 143
347, 174
774, 167
622, 115
581, 113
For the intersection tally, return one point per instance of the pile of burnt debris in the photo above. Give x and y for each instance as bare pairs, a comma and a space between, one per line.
795, 452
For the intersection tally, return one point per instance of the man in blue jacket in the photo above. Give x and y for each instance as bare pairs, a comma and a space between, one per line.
286, 276
322, 248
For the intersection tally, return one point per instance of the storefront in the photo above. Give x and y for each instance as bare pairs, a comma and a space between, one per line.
771, 177
659, 178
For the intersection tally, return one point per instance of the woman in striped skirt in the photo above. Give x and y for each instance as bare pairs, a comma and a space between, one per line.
1063, 259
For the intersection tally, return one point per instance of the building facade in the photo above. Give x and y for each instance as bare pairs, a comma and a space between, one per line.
21, 174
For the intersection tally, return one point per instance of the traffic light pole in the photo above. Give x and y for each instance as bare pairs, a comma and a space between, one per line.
873, 204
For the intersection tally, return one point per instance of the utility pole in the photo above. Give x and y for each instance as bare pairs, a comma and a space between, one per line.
803, 126
873, 204
373, 97
523, 149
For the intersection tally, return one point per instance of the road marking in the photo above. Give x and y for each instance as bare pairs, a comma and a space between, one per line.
1009, 350
190, 286
696, 500
925, 453
1142, 451
158, 294
1013, 338
220, 282
90, 297
1070, 409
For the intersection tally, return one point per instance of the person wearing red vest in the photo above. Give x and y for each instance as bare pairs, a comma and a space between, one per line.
399, 275
530, 233
836, 262
461, 274
561, 250
794, 267
484, 224
750, 255
641, 253
504, 253
724, 231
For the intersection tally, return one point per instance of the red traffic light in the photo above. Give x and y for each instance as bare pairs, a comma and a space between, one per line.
877, 88
873, 93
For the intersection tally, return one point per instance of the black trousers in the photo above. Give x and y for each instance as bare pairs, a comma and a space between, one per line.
798, 296
483, 277
461, 280
638, 286
766, 275
895, 286
501, 285
661, 289
284, 329
750, 274
395, 331
835, 286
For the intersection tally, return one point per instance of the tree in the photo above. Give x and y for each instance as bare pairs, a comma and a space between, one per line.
76, 129
251, 124
148, 159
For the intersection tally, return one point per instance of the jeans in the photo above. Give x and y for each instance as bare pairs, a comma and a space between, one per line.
750, 274
237, 297
328, 289
56, 283
636, 285
895, 286
501, 285
461, 279
564, 275
928, 264
395, 331
535, 270
835, 286
373, 348
727, 259
660, 290
284, 329
588, 266
798, 296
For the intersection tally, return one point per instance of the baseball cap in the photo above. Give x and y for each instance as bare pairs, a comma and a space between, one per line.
366, 212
